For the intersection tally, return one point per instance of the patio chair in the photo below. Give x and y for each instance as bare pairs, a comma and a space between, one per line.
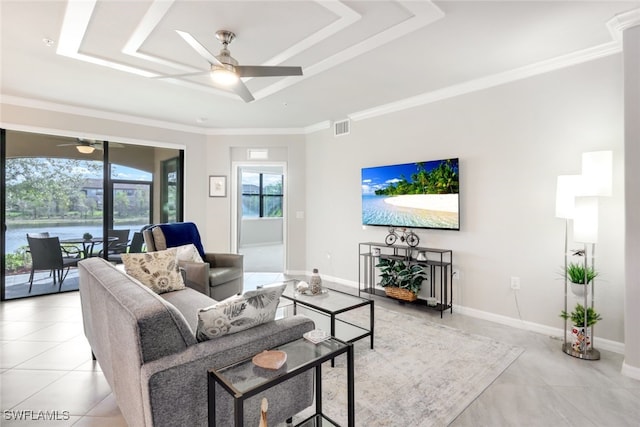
117, 246
46, 254
134, 247
69, 250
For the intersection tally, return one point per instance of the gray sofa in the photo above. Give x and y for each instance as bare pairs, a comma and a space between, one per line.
146, 347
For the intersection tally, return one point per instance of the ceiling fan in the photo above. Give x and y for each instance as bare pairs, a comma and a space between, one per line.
88, 146
225, 70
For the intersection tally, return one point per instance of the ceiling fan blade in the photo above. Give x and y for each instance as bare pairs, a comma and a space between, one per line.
170, 76
267, 71
243, 91
195, 44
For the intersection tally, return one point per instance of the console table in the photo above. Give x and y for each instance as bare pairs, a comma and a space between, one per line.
438, 262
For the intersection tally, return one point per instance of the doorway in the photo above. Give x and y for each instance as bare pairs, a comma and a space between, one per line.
259, 220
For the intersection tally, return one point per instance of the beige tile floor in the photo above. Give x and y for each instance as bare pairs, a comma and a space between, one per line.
46, 365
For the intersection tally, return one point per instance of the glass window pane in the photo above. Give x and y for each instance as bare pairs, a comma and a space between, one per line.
272, 206
272, 184
250, 183
250, 206
125, 173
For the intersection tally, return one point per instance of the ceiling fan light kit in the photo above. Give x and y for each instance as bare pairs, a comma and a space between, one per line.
85, 149
224, 75
224, 69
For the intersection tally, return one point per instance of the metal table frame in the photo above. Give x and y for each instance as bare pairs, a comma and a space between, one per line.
214, 377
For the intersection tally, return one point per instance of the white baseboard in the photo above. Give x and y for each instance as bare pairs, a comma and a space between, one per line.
630, 371
599, 343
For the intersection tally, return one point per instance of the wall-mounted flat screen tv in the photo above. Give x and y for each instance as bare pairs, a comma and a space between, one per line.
412, 195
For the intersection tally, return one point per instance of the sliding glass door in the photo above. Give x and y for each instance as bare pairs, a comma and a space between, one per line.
59, 188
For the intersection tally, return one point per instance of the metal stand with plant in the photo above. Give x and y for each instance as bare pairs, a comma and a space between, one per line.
401, 279
583, 316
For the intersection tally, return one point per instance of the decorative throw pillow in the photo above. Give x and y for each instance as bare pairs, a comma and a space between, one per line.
176, 234
157, 270
188, 253
239, 312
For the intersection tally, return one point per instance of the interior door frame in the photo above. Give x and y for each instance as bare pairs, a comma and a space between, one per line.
235, 200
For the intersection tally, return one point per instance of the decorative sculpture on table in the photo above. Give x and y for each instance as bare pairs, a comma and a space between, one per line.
264, 406
315, 282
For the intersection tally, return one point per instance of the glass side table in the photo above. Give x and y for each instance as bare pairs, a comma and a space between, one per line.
243, 380
332, 304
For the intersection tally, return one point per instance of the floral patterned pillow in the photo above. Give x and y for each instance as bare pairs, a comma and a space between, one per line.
157, 270
239, 312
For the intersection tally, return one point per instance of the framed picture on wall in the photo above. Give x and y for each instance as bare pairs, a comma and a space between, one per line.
217, 186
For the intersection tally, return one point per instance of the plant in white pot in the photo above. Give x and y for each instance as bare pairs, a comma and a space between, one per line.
581, 339
580, 276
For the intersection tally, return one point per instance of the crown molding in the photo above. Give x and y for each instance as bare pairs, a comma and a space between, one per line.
256, 131
94, 113
623, 21
542, 67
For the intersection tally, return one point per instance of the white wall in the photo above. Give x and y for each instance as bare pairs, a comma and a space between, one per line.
512, 142
222, 151
261, 231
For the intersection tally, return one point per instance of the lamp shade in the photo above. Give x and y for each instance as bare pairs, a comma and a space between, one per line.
566, 189
585, 220
597, 173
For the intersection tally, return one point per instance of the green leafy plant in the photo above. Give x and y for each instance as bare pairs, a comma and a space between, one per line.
87, 236
576, 273
398, 273
578, 313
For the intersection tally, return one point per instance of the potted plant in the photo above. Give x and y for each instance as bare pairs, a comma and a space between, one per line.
401, 280
87, 236
579, 276
581, 339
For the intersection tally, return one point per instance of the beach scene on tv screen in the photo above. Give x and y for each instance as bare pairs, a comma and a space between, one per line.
421, 194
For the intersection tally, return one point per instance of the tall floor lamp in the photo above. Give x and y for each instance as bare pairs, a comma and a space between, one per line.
577, 199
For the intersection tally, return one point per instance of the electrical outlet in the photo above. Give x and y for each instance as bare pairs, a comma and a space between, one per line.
515, 283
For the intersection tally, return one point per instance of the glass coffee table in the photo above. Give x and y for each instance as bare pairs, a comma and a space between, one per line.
331, 305
244, 379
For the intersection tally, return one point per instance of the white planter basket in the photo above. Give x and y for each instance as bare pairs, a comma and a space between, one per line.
578, 289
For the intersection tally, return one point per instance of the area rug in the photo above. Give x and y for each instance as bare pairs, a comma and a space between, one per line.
419, 374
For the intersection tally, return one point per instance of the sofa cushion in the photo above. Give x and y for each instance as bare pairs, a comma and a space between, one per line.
239, 312
158, 270
188, 303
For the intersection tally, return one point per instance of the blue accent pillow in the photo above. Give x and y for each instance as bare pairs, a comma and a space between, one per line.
182, 233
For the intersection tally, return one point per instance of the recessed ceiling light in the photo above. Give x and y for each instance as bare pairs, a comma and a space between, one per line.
47, 42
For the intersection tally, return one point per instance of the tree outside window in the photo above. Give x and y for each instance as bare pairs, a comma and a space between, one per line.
261, 195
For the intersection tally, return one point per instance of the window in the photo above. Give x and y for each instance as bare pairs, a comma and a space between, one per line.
170, 194
261, 195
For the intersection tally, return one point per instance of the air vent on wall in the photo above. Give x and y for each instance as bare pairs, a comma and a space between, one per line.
343, 127
257, 154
